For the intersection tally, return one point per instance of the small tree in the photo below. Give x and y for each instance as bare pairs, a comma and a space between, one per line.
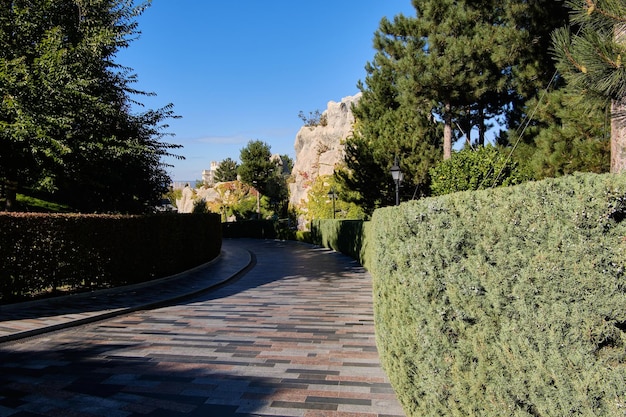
257, 166
315, 118
200, 206
320, 204
259, 170
226, 170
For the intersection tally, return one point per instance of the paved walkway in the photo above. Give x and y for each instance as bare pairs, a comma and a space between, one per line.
31, 318
290, 335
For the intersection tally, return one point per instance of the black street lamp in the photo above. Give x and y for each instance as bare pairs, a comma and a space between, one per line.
397, 176
332, 195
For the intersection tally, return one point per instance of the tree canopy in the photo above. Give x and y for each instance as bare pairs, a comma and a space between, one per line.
590, 55
453, 69
226, 170
66, 118
257, 168
261, 170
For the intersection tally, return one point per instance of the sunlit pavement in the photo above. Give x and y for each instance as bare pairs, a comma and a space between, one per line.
293, 336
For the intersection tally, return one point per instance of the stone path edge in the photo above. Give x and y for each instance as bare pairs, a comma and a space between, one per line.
248, 262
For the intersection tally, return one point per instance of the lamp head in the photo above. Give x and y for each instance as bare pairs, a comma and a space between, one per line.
396, 173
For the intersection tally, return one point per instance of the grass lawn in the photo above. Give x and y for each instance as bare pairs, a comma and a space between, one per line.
32, 204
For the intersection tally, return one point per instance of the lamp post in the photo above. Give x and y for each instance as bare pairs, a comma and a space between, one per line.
397, 176
332, 195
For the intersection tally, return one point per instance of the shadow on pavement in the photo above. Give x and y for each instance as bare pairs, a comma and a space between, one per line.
107, 380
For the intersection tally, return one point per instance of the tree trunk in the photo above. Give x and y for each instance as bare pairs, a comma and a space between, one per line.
481, 127
10, 191
618, 136
447, 133
618, 120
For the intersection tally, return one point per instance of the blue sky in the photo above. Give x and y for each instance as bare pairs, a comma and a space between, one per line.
242, 70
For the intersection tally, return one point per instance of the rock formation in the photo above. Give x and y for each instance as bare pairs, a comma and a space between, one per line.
185, 203
320, 148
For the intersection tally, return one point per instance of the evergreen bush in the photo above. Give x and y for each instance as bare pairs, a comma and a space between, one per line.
505, 302
469, 169
346, 236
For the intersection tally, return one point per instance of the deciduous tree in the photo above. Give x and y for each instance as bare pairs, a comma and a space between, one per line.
66, 122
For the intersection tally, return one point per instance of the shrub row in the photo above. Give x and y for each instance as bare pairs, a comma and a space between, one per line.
505, 302
258, 229
40, 252
345, 236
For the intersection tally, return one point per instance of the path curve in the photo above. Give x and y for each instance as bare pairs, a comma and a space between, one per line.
294, 336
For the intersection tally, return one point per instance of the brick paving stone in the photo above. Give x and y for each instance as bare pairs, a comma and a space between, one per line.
293, 337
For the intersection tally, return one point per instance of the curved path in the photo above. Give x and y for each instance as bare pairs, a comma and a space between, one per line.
292, 336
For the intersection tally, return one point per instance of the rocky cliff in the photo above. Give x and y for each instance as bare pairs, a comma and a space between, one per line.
320, 148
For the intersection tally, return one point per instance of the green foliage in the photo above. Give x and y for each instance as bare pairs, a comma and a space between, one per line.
570, 133
384, 130
591, 59
469, 169
259, 170
466, 60
287, 164
364, 175
240, 200
256, 166
303, 236
226, 170
65, 120
438, 76
38, 205
313, 119
254, 229
320, 205
349, 237
235, 199
245, 209
45, 252
505, 302
200, 206
173, 194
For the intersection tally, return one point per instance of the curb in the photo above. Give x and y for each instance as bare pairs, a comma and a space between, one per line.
234, 276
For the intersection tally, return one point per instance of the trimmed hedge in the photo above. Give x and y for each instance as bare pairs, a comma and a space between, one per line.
346, 236
505, 302
41, 252
256, 229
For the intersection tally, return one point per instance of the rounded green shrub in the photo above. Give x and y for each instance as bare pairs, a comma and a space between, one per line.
506, 302
469, 169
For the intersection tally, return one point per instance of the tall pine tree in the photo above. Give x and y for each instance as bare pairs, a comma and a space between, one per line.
591, 54
226, 170
438, 76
